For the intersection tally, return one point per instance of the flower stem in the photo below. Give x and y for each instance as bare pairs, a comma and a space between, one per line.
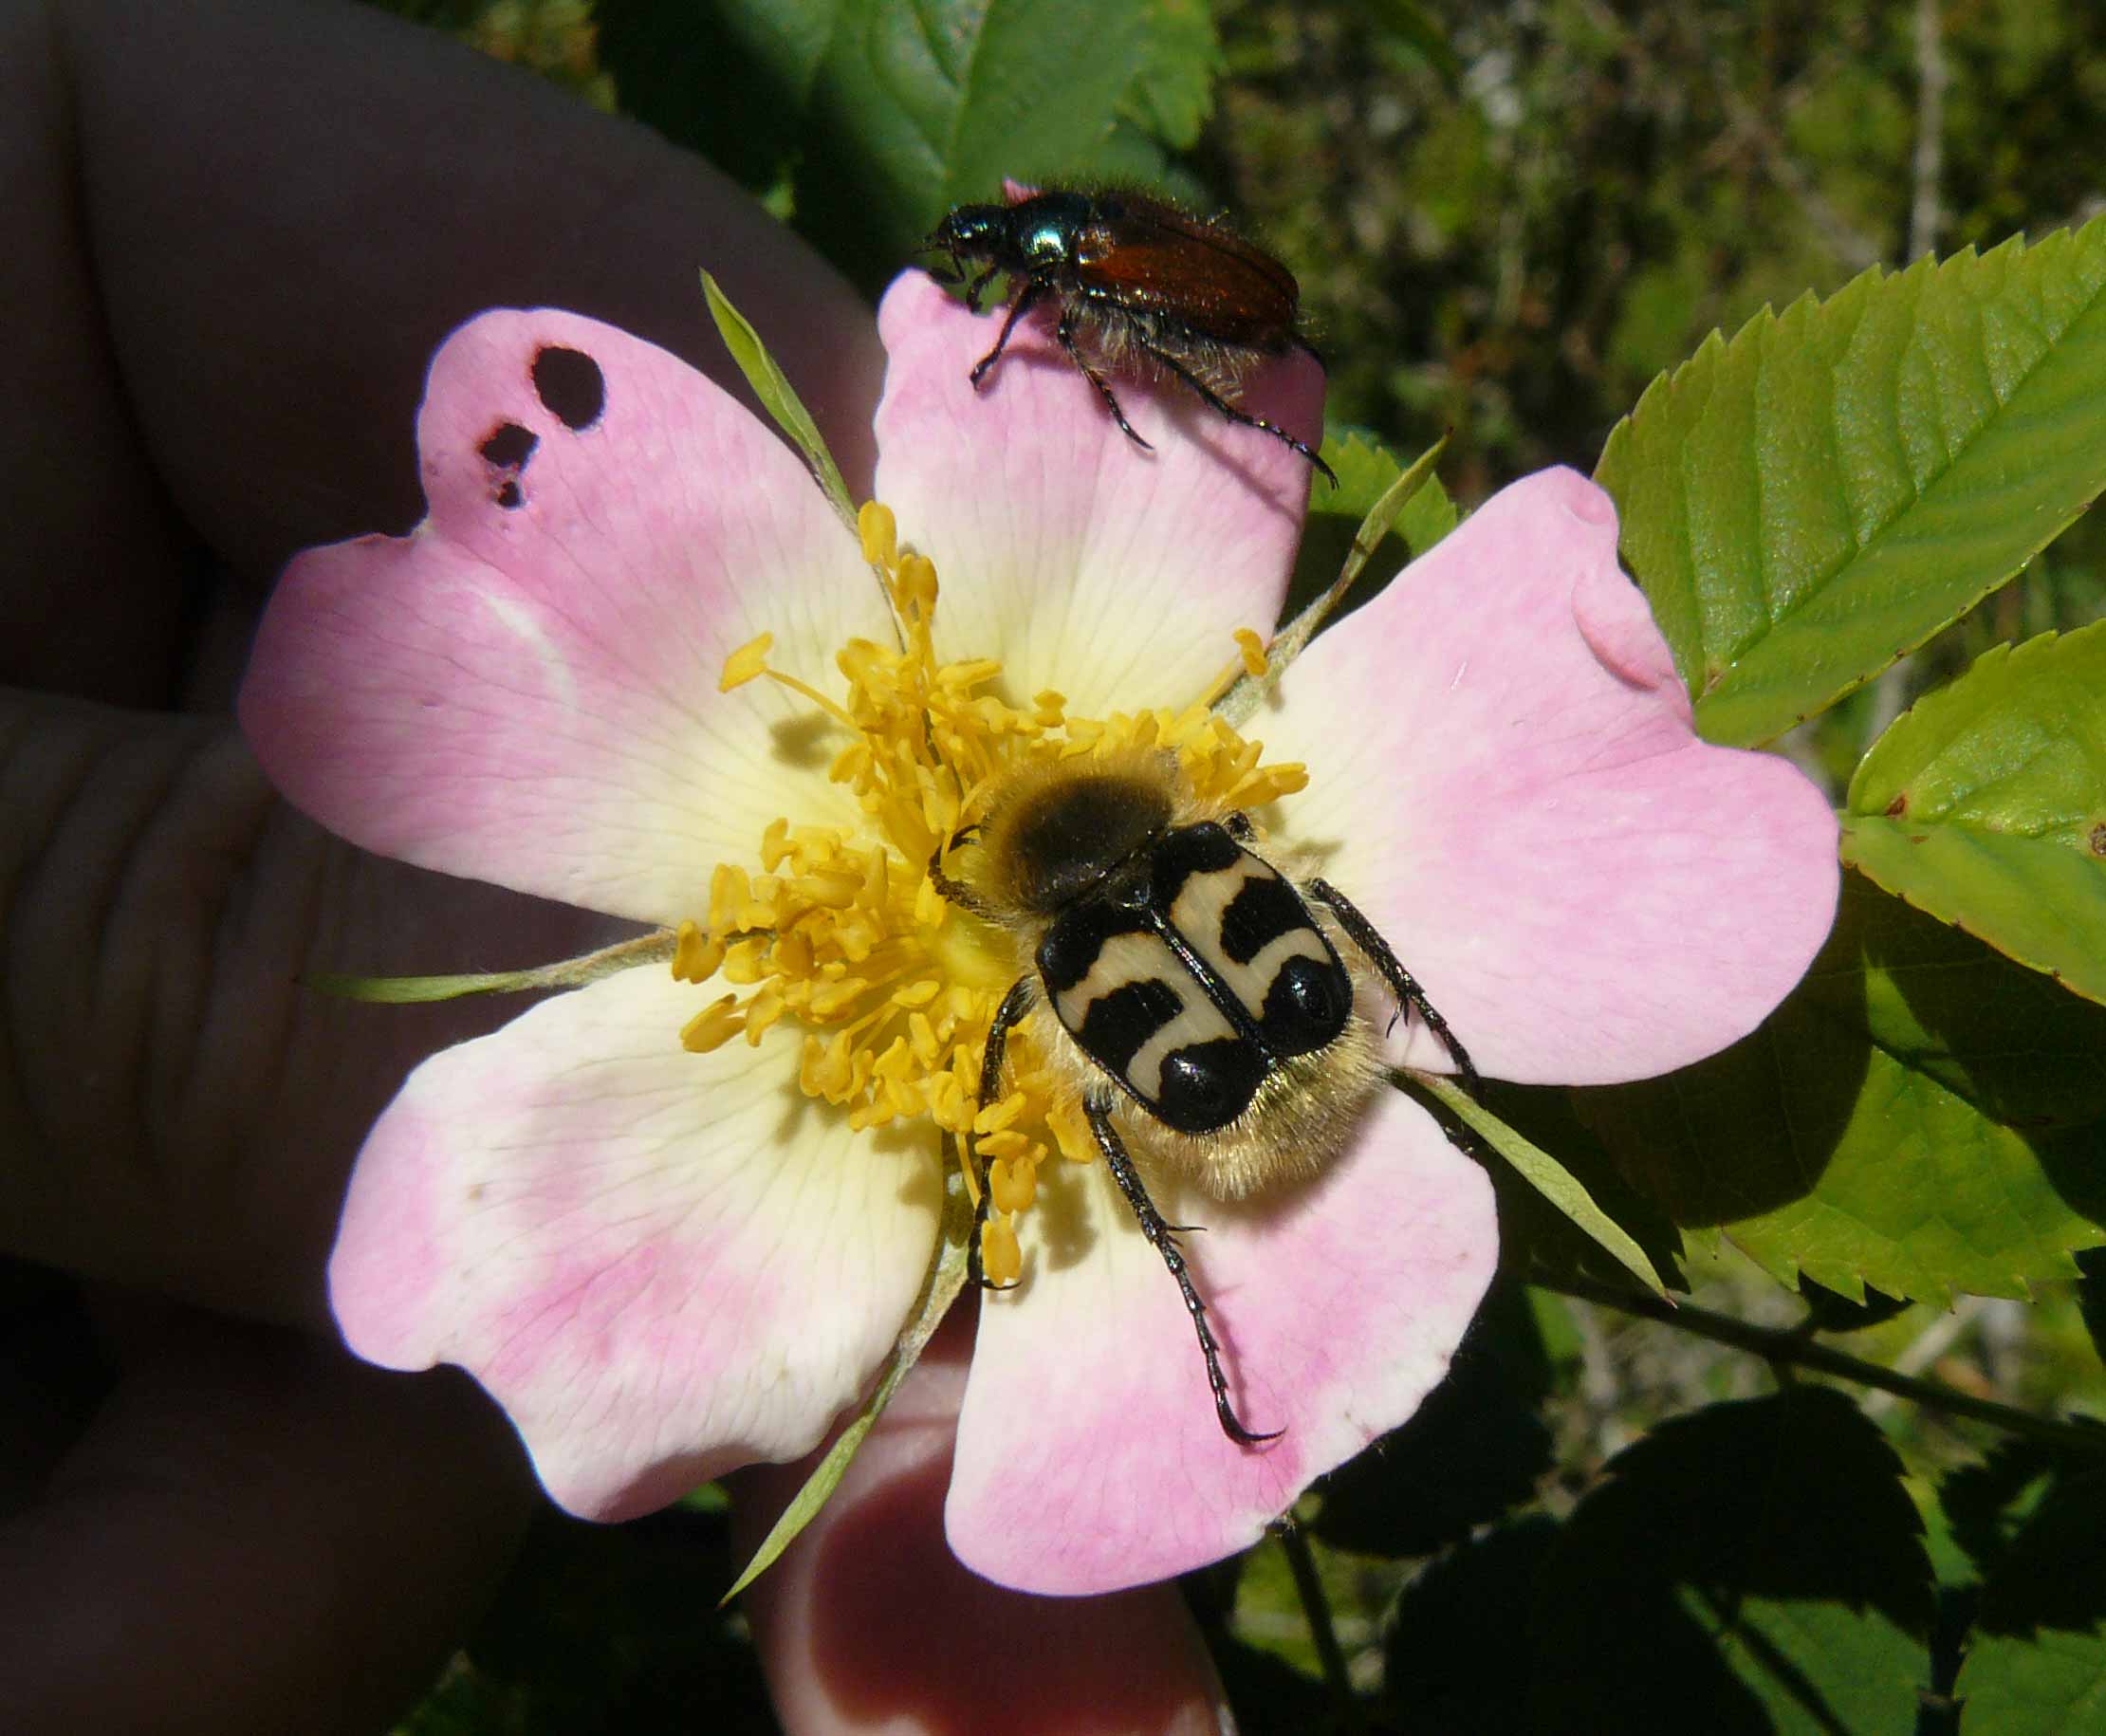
1315, 1606
1788, 1347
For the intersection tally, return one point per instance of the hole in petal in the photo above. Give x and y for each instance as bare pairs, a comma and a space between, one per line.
505, 449
510, 446
571, 386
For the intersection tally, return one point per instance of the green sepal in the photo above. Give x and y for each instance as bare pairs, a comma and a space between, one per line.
1543, 1172
940, 1285
653, 949
772, 387
1243, 697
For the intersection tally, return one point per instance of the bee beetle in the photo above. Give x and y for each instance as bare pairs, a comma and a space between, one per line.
1140, 283
1197, 997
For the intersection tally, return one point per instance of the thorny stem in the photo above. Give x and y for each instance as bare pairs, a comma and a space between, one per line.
1315, 1606
1785, 1347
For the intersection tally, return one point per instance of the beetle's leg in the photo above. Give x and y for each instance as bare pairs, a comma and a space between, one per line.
1015, 1006
1164, 1239
959, 893
1164, 358
1018, 308
978, 288
1402, 984
1066, 332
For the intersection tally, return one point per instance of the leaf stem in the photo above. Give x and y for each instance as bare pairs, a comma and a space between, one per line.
1786, 1347
1316, 1607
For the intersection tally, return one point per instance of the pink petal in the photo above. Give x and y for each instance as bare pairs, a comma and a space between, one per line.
1089, 1455
1503, 778
661, 1265
1113, 575
525, 689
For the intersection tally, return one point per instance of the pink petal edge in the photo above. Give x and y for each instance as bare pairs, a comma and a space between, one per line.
1586, 891
523, 689
663, 1265
1089, 1456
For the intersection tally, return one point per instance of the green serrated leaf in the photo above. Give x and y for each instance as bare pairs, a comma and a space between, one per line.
1754, 1567
772, 387
1921, 1116
1543, 1172
1816, 498
1174, 87
1986, 805
940, 1285
1366, 471
921, 104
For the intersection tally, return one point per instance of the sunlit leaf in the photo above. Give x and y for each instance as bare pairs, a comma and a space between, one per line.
1809, 501
1986, 805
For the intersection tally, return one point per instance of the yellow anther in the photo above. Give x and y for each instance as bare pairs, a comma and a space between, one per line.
916, 585
762, 1011
713, 1027
746, 961
775, 845
830, 887
831, 999
857, 936
696, 956
995, 1116
1001, 1259
1253, 648
730, 887
744, 664
757, 913
1013, 1185
1072, 1134
1006, 1144
880, 532
916, 995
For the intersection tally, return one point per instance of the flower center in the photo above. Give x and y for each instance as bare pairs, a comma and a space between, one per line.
848, 937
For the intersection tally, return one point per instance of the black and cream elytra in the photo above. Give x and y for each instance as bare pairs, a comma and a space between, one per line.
1203, 1000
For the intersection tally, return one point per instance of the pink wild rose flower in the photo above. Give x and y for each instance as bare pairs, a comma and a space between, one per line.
632, 659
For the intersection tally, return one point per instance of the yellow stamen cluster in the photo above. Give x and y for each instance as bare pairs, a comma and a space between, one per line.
848, 936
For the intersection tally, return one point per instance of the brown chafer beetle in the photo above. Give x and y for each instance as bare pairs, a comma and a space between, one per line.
1141, 285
